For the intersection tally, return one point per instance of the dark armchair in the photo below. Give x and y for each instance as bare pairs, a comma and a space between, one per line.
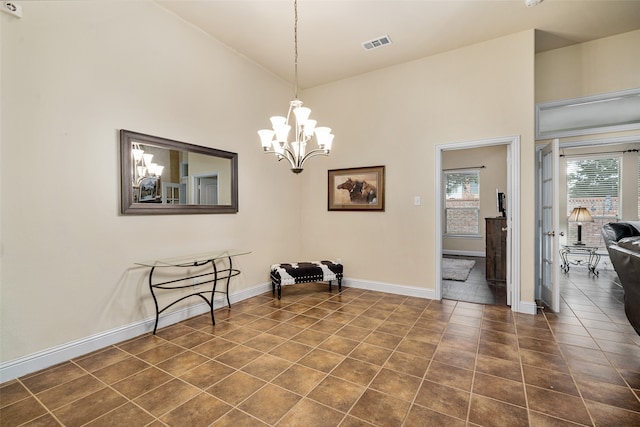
623, 245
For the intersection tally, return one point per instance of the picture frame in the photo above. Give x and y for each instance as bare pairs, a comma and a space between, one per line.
356, 189
149, 190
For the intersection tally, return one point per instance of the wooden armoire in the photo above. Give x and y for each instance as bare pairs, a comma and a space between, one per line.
496, 249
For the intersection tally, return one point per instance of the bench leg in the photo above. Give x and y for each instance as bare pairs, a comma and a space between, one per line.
273, 289
340, 285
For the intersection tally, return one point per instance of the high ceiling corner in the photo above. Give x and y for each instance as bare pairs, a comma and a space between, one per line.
331, 32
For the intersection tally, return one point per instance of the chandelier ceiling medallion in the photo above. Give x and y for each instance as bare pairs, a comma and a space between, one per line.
276, 140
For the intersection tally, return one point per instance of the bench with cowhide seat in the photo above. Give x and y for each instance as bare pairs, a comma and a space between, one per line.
305, 272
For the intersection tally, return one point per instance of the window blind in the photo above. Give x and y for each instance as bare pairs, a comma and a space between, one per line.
595, 184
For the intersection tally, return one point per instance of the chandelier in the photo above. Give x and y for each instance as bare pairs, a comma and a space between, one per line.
276, 140
146, 176
143, 166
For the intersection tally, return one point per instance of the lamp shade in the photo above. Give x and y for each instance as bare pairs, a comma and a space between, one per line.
322, 135
580, 214
302, 114
266, 137
309, 127
137, 154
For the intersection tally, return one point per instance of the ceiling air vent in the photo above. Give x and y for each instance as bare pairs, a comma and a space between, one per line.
375, 43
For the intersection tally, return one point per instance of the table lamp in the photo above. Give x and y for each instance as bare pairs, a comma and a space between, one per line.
580, 215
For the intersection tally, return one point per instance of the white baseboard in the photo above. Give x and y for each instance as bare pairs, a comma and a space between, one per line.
49, 357
390, 288
527, 307
52, 356
480, 254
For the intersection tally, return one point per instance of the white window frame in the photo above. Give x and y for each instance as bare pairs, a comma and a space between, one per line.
601, 113
603, 218
477, 234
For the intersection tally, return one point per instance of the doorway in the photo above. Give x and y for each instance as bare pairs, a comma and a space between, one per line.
206, 189
554, 229
474, 239
511, 203
476, 288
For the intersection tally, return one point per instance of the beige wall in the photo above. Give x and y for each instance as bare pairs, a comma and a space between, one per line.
73, 74
605, 65
396, 117
492, 176
600, 66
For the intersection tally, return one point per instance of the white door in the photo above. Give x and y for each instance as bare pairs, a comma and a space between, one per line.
171, 193
208, 190
550, 236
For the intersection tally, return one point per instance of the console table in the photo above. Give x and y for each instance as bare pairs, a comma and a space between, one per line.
200, 277
588, 254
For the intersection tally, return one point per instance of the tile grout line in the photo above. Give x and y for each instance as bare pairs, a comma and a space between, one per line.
604, 353
524, 380
565, 360
365, 387
326, 374
246, 322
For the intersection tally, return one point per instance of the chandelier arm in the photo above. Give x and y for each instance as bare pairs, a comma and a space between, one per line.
289, 155
314, 153
289, 113
284, 154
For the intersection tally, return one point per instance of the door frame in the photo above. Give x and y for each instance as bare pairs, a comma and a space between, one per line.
196, 185
513, 215
540, 144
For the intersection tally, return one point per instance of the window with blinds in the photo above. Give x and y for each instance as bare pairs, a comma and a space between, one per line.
462, 203
593, 183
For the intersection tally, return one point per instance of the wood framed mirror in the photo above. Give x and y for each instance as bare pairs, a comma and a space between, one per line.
164, 176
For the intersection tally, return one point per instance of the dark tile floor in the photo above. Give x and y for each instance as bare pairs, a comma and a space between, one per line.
360, 358
476, 288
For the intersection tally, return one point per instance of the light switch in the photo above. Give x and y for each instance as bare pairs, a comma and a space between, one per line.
416, 200
12, 8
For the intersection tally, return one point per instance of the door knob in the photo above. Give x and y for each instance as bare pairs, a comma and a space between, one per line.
551, 233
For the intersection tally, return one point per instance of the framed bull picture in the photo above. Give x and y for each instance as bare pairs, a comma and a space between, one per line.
356, 189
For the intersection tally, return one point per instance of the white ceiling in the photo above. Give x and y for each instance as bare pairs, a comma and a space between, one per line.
330, 32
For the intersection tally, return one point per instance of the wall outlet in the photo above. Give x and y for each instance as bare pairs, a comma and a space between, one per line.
12, 8
417, 201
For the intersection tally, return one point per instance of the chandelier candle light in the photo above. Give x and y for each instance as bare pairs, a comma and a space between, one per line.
276, 140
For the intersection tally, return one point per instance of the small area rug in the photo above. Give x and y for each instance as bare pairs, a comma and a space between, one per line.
456, 269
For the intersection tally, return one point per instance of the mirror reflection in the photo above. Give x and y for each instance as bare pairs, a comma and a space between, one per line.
166, 176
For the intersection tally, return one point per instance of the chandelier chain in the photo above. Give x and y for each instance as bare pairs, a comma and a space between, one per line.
276, 140
295, 45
